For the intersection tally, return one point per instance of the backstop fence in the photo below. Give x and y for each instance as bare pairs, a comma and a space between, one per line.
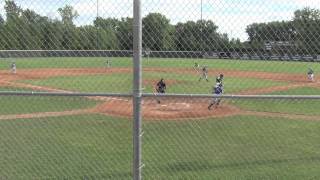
159, 89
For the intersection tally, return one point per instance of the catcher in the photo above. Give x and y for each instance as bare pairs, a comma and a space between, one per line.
204, 73
161, 88
217, 91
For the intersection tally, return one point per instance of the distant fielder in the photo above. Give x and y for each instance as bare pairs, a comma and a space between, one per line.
310, 75
196, 66
204, 73
161, 88
108, 63
217, 91
13, 68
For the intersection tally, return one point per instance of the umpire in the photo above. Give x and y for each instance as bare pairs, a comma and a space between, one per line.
161, 87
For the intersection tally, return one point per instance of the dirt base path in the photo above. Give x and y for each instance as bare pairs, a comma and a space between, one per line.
169, 108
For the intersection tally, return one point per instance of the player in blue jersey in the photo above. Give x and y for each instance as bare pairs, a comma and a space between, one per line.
217, 91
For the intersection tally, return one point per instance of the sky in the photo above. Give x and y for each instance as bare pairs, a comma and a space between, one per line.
231, 16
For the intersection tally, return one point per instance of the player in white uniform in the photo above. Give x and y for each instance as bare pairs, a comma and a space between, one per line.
13, 68
310, 75
204, 73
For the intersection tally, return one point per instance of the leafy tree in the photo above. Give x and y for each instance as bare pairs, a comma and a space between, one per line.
307, 30
106, 30
12, 25
155, 31
199, 36
68, 15
2, 34
1, 20
124, 33
70, 35
12, 10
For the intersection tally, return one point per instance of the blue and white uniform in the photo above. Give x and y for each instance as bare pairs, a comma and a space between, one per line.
217, 91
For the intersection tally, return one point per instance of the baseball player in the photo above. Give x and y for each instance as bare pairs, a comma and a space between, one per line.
196, 66
108, 63
13, 68
204, 73
310, 74
219, 78
217, 91
161, 88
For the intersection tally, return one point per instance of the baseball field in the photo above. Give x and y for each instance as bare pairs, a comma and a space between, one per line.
45, 137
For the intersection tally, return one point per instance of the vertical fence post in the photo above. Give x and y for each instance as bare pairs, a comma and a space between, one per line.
137, 49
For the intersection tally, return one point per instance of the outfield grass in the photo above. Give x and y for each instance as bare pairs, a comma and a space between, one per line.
87, 62
32, 104
64, 62
95, 146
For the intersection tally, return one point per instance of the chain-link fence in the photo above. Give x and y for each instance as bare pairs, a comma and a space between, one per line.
229, 89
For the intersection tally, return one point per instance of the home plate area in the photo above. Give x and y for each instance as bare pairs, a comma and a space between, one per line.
184, 108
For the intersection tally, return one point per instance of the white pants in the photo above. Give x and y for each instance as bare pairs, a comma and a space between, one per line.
216, 100
14, 70
311, 77
204, 76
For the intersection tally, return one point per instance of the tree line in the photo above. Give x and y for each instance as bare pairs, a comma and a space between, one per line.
301, 35
25, 29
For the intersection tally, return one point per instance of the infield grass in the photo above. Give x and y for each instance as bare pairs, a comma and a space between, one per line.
122, 83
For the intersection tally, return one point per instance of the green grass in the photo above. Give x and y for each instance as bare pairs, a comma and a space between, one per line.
305, 107
121, 83
87, 62
64, 62
71, 147
100, 147
299, 91
10, 88
32, 104
177, 83
243, 147
186, 83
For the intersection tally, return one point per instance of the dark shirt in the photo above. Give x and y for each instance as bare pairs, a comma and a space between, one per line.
219, 79
161, 87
